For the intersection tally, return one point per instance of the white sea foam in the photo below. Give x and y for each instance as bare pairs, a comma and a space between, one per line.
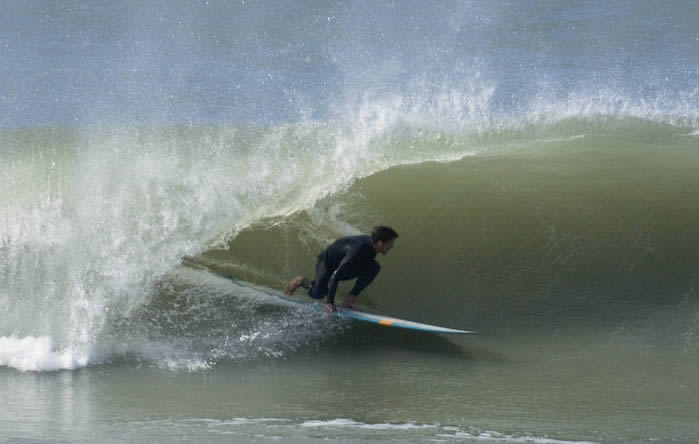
410, 431
348, 423
441, 431
38, 354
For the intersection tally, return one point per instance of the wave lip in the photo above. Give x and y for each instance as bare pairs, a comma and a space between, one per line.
38, 354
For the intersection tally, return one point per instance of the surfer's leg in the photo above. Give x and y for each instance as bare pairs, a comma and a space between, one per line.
366, 278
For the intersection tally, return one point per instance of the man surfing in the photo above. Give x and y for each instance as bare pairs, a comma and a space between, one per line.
347, 258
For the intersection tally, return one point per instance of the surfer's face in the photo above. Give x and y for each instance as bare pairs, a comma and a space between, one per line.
384, 247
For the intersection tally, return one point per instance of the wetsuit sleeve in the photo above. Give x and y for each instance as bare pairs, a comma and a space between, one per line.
331, 291
351, 255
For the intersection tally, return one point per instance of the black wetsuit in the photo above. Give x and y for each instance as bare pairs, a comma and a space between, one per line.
347, 258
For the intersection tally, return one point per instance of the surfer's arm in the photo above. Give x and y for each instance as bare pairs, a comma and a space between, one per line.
332, 288
334, 280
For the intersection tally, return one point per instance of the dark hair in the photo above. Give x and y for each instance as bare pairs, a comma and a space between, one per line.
383, 233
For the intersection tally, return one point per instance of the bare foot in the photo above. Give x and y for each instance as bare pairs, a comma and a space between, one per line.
295, 283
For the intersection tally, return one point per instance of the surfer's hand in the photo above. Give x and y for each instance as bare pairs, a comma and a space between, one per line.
330, 308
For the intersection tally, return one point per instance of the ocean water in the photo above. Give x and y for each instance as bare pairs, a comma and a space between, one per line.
540, 161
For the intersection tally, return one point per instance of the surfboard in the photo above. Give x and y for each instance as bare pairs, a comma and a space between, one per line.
374, 318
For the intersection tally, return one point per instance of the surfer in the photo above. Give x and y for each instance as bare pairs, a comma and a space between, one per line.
347, 258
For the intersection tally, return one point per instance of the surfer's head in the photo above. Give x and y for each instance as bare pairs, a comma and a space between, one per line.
382, 237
